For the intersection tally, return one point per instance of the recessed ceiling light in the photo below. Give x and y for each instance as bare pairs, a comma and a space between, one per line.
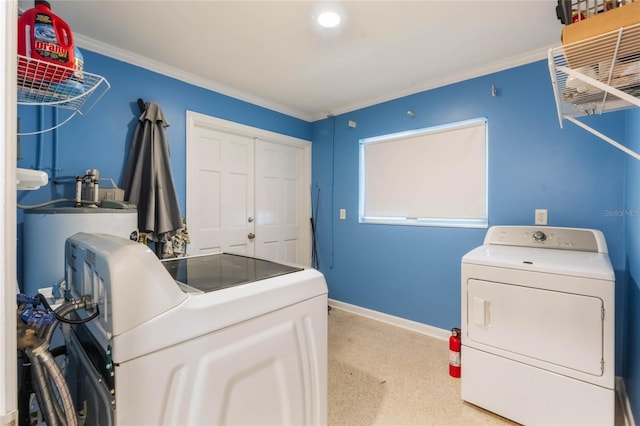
328, 19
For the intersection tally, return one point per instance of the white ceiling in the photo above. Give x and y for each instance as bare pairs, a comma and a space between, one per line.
273, 54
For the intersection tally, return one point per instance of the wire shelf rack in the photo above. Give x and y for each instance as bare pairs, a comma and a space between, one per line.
597, 75
44, 83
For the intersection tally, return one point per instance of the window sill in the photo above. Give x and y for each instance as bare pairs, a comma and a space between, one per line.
443, 223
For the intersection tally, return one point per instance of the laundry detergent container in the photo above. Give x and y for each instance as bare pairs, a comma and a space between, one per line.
45, 233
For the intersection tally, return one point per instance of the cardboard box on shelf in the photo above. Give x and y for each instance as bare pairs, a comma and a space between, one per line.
594, 41
622, 16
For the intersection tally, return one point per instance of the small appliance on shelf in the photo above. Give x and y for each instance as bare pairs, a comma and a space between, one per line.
27, 179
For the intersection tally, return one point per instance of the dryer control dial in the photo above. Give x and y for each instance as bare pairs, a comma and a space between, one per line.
539, 236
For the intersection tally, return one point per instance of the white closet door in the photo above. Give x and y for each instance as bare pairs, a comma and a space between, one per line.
279, 198
242, 183
219, 192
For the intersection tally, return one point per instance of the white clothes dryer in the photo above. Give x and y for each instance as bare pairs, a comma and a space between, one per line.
538, 326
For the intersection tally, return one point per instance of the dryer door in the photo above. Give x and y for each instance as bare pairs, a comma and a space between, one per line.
559, 328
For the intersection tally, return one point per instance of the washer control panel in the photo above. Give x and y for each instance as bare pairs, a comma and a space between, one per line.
577, 239
539, 236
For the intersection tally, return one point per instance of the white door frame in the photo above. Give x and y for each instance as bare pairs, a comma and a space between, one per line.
8, 159
203, 120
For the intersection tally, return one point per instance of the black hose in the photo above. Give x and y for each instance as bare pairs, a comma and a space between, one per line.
58, 350
315, 261
46, 332
80, 321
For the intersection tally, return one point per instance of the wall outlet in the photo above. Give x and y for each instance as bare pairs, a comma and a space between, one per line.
343, 214
541, 216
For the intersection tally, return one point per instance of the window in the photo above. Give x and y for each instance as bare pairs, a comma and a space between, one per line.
435, 176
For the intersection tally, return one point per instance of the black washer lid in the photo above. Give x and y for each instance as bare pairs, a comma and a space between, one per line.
217, 271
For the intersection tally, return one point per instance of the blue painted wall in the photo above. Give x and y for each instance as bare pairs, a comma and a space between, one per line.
414, 272
631, 364
101, 138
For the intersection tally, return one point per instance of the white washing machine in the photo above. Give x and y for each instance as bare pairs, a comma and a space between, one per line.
213, 339
538, 326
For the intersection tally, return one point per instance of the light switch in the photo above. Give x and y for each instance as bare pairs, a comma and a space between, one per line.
343, 214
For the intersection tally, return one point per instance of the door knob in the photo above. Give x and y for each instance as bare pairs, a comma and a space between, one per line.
251, 235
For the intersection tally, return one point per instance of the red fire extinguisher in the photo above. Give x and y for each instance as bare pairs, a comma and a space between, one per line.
454, 353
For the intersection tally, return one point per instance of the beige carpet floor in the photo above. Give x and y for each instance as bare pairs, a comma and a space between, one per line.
384, 375
380, 374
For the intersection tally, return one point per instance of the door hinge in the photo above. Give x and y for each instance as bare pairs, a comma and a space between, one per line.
602, 366
602, 313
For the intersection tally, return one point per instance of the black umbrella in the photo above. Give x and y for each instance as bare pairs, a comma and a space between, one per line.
148, 181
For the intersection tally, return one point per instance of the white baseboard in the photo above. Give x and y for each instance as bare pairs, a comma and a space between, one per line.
427, 330
623, 398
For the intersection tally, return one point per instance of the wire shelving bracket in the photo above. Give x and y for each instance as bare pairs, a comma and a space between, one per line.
597, 75
44, 83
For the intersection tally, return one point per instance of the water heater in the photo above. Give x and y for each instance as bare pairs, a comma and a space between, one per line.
45, 233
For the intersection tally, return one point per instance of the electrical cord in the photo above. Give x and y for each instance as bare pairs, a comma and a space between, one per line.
333, 177
46, 203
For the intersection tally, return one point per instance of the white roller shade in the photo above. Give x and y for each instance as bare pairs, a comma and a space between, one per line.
436, 174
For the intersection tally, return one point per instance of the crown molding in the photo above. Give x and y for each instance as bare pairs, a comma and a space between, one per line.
164, 69
479, 71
